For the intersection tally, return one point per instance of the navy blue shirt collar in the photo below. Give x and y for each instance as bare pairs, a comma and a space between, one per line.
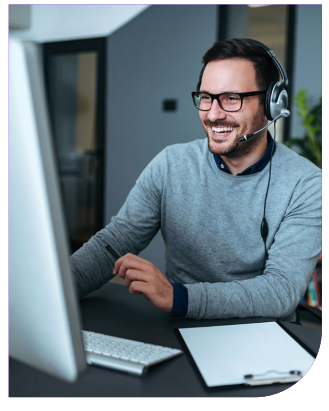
255, 168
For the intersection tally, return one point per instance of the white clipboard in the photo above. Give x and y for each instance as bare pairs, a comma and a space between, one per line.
253, 354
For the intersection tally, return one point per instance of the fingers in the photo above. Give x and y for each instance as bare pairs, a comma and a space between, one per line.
159, 294
144, 278
135, 275
130, 261
139, 288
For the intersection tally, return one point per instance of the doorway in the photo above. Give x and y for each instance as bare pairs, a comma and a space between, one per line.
75, 84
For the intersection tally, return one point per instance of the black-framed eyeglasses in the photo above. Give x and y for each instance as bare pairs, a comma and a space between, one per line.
227, 101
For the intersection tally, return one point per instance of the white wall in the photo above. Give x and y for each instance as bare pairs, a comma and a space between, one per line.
69, 22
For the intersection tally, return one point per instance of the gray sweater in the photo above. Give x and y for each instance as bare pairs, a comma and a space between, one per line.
210, 222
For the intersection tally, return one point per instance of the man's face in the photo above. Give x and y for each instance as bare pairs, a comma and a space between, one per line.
232, 75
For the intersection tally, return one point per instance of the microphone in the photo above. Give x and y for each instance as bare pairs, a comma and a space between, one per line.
284, 113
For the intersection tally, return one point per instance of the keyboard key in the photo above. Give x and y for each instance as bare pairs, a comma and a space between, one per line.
127, 351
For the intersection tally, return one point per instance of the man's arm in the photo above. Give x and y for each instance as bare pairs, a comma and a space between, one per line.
130, 231
275, 293
292, 257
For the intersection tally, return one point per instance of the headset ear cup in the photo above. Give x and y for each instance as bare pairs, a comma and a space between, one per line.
268, 100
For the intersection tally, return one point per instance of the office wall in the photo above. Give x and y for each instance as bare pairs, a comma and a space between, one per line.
307, 59
156, 56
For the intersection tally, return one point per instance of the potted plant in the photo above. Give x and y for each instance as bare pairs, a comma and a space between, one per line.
310, 145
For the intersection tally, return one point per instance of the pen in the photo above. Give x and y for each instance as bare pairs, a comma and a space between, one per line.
114, 254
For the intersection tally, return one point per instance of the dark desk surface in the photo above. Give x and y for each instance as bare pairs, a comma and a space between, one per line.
112, 310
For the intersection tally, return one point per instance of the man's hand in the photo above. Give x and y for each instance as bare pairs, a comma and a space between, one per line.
144, 278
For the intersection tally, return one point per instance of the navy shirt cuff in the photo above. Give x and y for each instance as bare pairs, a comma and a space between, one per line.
180, 303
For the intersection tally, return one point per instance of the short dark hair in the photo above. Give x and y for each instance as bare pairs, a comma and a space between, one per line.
266, 70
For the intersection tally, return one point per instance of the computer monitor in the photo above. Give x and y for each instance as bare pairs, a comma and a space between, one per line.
44, 319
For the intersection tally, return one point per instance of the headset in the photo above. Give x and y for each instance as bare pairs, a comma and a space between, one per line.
276, 99
276, 103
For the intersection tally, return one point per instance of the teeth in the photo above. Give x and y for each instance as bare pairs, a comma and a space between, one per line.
222, 129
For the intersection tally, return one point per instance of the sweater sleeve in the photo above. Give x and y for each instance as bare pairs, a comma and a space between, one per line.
293, 255
130, 231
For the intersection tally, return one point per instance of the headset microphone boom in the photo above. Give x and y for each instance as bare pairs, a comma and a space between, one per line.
284, 113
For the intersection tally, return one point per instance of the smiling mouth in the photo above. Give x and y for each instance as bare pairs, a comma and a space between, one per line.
221, 132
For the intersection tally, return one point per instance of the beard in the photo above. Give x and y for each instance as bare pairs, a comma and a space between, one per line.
232, 147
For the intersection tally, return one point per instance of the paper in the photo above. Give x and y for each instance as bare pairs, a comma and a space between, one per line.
225, 354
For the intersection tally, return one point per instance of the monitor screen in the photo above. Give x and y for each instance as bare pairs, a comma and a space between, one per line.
44, 319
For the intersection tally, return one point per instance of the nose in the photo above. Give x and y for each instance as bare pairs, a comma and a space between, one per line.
216, 112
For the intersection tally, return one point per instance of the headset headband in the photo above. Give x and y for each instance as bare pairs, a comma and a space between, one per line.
277, 63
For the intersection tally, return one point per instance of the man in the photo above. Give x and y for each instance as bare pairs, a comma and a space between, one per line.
208, 198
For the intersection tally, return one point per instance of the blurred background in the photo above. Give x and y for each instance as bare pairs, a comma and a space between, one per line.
119, 81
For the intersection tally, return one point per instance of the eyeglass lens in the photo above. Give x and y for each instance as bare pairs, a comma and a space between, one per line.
228, 101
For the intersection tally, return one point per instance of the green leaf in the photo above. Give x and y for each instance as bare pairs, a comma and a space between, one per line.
310, 145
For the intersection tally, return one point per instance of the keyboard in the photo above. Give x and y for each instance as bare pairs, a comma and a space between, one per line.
124, 355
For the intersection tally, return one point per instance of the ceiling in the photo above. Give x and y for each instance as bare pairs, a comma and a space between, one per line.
68, 22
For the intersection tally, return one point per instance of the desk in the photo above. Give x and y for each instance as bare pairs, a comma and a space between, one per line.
112, 310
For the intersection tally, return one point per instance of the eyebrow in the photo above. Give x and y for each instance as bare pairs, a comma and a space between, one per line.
205, 91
